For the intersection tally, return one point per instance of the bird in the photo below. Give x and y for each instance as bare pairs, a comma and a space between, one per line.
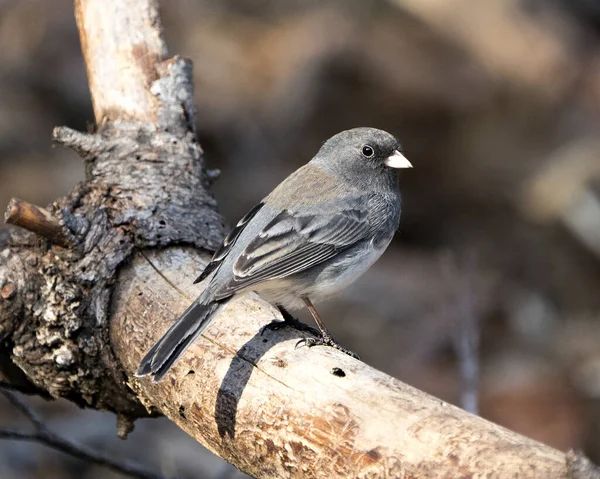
313, 235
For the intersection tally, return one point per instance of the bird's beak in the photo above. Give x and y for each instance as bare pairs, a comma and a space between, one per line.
397, 160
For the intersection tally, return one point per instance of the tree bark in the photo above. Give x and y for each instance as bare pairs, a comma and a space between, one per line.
77, 320
274, 410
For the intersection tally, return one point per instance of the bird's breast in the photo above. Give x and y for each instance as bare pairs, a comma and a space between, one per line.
325, 280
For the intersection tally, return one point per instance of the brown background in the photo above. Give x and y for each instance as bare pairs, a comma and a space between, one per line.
497, 105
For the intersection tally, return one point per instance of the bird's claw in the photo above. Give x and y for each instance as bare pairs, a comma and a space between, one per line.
326, 341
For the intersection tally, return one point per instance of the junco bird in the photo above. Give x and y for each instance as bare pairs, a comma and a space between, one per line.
316, 233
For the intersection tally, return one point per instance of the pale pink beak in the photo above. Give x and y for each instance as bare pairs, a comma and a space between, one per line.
397, 160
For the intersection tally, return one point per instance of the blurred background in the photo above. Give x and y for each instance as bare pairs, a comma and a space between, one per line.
496, 270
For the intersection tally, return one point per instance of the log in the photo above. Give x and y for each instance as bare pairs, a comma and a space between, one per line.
274, 410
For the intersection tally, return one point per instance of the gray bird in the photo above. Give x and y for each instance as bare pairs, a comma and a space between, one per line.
316, 233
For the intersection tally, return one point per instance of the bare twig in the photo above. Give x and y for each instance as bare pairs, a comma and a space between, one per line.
467, 342
59, 444
42, 435
466, 337
23, 408
35, 219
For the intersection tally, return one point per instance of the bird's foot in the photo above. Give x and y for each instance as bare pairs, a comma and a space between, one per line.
326, 341
291, 322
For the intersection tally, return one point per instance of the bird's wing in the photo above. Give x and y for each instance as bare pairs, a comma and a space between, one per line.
228, 243
294, 242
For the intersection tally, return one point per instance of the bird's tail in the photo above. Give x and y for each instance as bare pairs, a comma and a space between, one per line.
176, 340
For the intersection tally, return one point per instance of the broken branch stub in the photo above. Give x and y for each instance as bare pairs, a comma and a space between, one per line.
37, 220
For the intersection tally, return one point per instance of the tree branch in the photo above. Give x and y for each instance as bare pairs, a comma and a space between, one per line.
122, 50
37, 220
78, 452
43, 435
274, 410
23, 408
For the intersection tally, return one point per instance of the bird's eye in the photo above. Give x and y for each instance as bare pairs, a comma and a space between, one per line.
368, 151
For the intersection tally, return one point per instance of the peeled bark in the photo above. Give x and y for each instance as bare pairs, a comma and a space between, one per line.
274, 410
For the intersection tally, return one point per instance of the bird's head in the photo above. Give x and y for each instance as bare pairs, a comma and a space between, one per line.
362, 154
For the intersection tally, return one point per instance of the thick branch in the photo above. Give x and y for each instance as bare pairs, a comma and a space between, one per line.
145, 187
274, 410
122, 44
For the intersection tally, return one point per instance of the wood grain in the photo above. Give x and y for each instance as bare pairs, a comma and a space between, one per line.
122, 50
274, 410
